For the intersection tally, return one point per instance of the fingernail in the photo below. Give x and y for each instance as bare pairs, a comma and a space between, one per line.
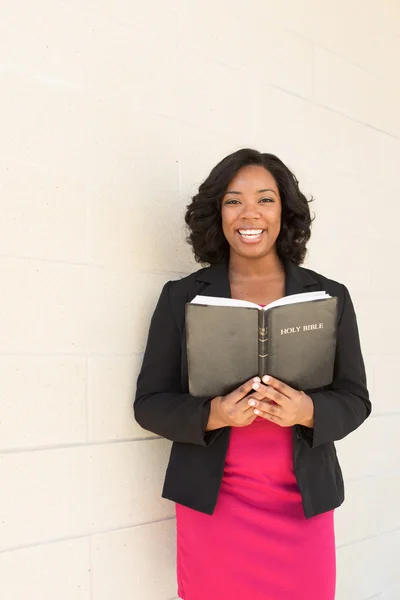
256, 411
266, 378
256, 386
256, 380
252, 402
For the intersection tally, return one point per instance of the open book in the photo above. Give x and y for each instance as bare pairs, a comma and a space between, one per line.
229, 341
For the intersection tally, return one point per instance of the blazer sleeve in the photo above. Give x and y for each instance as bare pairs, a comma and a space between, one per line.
159, 405
345, 405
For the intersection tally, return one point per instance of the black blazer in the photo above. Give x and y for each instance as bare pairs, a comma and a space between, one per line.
164, 406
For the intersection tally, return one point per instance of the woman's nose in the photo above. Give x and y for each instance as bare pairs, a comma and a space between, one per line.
251, 211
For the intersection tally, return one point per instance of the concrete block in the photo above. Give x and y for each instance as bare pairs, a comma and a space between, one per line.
65, 131
135, 563
152, 17
358, 517
78, 491
385, 368
372, 449
388, 499
133, 69
43, 307
120, 305
45, 41
149, 239
43, 401
43, 215
215, 95
387, 548
112, 386
59, 570
359, 571
346, 88
389, 251
278, 57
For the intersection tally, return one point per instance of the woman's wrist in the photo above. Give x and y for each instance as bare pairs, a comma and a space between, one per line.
309, 423
214, 419
308, 420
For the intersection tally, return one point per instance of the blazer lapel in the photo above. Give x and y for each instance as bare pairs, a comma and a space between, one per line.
299, 280
214, 280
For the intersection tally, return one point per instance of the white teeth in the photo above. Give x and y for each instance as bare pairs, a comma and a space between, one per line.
250, 232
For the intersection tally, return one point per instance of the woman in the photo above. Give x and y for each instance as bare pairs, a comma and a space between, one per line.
254, 474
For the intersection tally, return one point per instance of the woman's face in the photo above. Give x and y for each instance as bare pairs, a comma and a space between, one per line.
251, 212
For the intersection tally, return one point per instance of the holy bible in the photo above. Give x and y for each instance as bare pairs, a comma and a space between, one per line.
229, 341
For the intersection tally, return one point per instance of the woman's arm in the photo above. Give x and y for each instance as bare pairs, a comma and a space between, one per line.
343, 407
160, 406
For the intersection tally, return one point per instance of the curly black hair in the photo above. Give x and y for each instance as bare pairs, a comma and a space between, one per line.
203, 214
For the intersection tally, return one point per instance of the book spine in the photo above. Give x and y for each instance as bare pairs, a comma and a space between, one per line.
262, 343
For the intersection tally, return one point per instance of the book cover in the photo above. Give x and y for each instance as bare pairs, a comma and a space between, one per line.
229, 341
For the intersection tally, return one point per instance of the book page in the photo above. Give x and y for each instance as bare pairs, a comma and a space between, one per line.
216, 301
304, 297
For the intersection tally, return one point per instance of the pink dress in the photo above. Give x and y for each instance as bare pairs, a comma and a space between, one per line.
257, 545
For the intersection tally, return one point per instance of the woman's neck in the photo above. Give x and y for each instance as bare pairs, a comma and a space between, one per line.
265, 268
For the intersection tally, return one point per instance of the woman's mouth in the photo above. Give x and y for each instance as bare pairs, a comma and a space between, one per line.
250, 235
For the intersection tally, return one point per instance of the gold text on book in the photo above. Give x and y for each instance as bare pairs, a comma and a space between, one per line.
298, 328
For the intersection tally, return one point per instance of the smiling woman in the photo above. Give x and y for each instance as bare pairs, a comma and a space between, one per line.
254, 474
243, 181
250, 215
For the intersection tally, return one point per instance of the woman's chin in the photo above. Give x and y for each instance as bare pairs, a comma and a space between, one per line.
253, 251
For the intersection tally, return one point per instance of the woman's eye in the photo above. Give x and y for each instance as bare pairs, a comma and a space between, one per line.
266, 200
232, 201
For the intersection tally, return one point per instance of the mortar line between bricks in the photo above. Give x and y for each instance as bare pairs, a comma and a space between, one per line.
330, 51
179, 121
91, 591
87, 396
92, 265
88, 535
337, 112
369, 537
79, 354
89, 444
73, 263
72, 354
105, 18
394, 413
88, 207
305, 99
372, 476
333, 110
144, 439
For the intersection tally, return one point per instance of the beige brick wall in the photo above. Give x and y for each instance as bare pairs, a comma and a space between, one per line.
112, 112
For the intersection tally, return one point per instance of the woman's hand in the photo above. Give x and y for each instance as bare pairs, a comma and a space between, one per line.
281, 404
233, 410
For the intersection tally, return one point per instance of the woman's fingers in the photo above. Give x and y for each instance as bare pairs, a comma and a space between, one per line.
234, 408
245, 406
279, 386
262, 407
272, 412
242, 391
281, 403
276, 390
270, 399
269, 393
